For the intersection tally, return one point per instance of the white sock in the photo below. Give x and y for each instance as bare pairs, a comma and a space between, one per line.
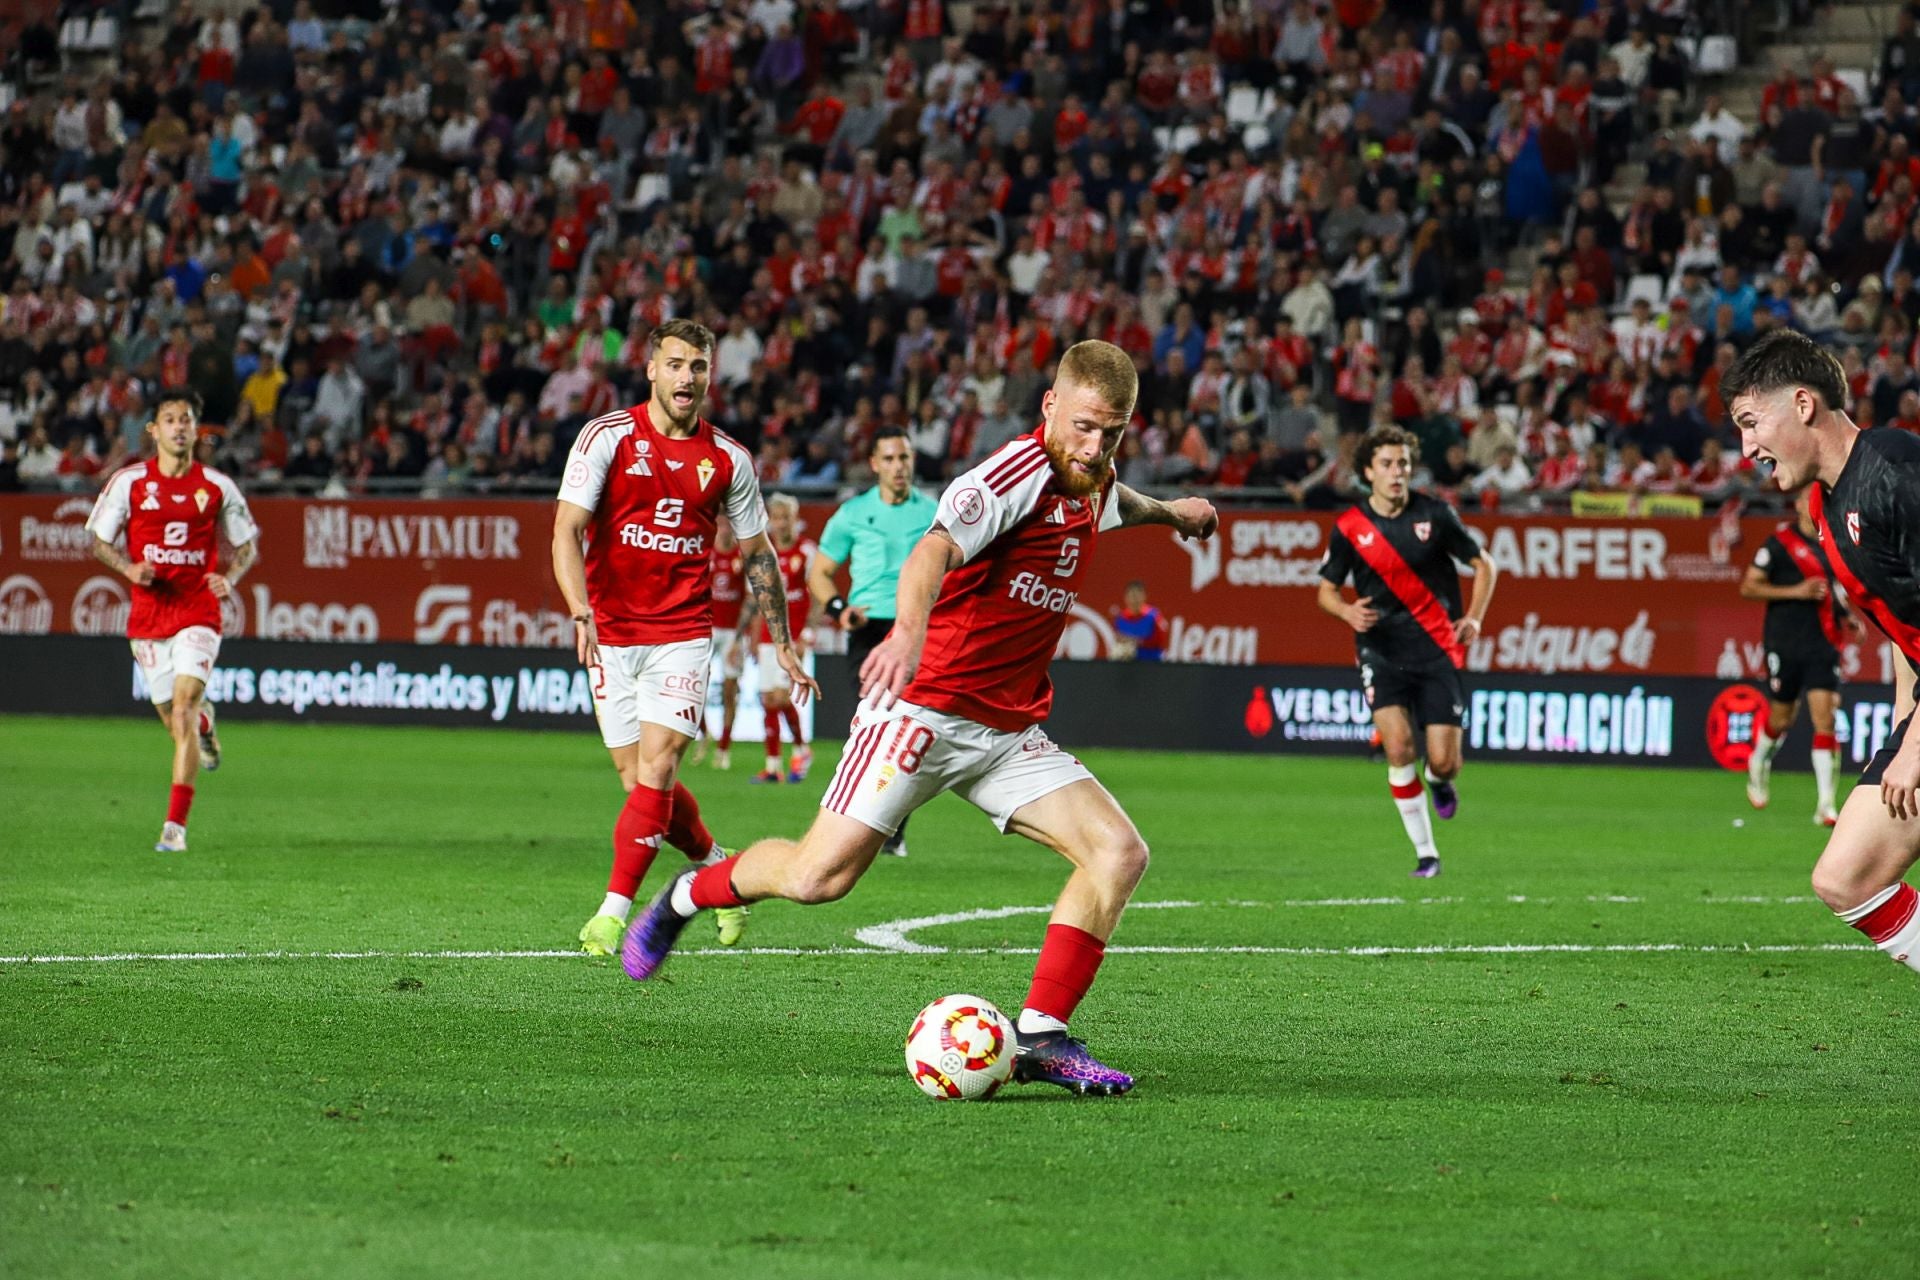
1035, 1023
617, 906
1897, 936
1413, 809
682, 900
715, 854
1433, 779
1765, 748
1825, 765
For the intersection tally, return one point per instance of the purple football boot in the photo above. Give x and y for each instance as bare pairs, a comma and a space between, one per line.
1054, 1057
1446, 800
652, 934
1427, 870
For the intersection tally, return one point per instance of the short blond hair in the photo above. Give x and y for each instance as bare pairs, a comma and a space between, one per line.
783, 502
1104, 369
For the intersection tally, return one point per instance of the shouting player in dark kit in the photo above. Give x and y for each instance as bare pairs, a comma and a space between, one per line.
1398, 549
955, 695
1805, 628
1788, 398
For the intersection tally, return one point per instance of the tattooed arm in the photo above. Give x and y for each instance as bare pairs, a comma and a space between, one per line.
767, 599
222, 584
115, 559
1190, 517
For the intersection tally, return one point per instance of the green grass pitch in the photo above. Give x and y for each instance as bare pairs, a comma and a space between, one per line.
1304, 1109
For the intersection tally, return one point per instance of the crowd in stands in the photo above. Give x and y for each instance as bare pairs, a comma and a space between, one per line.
424, 243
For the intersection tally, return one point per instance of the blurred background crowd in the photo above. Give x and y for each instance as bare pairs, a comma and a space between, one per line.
416, 246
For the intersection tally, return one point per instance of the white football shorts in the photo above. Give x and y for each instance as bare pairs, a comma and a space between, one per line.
732, 664
773, 676
899, 759
663, 684
191, 651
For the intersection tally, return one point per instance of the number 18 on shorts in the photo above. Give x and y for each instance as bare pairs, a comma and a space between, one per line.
899, 759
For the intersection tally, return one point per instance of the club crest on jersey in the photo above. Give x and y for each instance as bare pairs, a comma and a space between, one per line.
200, 499
1853, 527
152, 501
1423, 529
704, 469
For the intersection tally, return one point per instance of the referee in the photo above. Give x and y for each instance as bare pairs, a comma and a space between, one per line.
875, 531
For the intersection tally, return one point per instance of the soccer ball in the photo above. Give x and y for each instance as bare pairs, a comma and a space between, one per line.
960, 1047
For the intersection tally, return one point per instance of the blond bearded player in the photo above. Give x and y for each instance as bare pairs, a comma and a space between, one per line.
643, 491
174, 513
954, 699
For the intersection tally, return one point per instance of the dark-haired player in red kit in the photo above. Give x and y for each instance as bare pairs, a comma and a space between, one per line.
729, 590
175, 514
1788, 396
1399, 548
954, 697
632, 536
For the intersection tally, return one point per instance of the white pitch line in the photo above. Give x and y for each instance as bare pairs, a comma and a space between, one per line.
1497, 948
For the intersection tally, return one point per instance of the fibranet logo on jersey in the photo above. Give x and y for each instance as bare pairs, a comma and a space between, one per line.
645, 539
336, 535
1031, 588
64, 536
25, 609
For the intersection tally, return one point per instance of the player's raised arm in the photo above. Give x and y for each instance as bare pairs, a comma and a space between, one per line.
767, 596
1189, 517
570, 574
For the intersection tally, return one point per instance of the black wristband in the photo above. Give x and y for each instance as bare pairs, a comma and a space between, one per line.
836, 607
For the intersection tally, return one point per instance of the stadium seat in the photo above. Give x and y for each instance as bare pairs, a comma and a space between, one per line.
1185, 138
1256, 138
1855, 79
1648, 286
1716, 55
1243, 105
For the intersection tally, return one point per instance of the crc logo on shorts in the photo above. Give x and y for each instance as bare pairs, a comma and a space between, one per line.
24, 607
692, 688
1731, 722
100, 607
970, 505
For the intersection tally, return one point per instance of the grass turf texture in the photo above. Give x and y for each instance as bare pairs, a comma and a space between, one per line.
1523, 1114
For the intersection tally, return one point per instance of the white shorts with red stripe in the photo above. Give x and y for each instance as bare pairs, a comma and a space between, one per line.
191, 651
663, 684
898, 759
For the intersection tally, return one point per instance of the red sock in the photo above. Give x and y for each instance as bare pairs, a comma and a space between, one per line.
636, 838
772, 731
792, 715
1891, 916
1824, 742
713, 886
726, 735
1068, 960
179, 800
685, 831
205, 724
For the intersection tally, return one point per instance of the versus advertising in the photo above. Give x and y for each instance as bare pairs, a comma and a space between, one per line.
1615, 597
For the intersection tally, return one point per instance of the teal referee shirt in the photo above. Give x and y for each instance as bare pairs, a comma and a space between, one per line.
874, 539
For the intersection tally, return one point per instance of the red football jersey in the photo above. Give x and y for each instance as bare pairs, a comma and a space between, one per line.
173, 523
729, 588
1001, 614
655, 500
793, 572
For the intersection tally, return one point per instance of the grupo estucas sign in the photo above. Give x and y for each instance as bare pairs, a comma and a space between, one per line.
1633, 598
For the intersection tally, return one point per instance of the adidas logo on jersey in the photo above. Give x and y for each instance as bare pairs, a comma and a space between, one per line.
1058, 515
640, 468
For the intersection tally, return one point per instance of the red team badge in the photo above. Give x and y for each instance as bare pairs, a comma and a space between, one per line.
1423, 529
1730, 725
1853, 527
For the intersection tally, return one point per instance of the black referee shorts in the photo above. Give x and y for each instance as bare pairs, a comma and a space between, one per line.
862, 640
